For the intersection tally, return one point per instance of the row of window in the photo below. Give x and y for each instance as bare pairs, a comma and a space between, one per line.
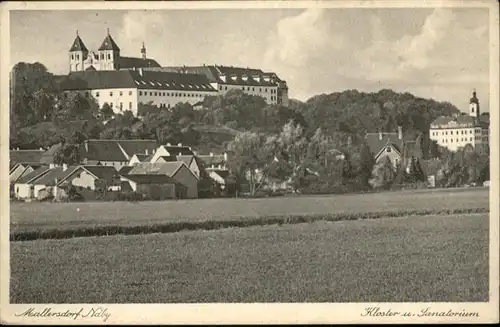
463, 139
189, 95
77, 56
462, 132
120, 105
248, 88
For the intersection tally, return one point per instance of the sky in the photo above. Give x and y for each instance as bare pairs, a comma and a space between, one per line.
432, 53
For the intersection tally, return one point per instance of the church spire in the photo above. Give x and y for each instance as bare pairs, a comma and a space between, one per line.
143, 51
78, 44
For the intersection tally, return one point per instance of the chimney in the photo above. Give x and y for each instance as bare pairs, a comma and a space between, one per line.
86, 146
179, 144
41, 149
211, 154
140, 71
147, 152
52, 166
400, 132
380, 135
65, 167
168, 144
225, 156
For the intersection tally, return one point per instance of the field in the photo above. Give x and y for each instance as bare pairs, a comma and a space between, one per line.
425, 258
36, 217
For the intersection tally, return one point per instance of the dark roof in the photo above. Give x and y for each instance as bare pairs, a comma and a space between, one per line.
55, 173
221, 172
16, 156
163, 168
78, 45
168, 158
34, 165
151, 179
175, 150
132, 62
465, 120
102, 172
185, 158
376, 144
111, 150
90, 68
125, 170
109, 44
234, 75
34, 174
88, 80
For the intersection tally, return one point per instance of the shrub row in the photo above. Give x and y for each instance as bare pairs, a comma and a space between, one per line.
172, 227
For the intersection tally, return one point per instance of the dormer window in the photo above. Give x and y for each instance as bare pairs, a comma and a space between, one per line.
388, 149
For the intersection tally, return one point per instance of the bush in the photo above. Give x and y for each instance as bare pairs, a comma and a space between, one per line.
130, 196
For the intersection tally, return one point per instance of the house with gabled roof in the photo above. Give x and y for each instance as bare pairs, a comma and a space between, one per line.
169, 151
158, 186
51, 178
399, 148
176, 170
21, 169
116, 153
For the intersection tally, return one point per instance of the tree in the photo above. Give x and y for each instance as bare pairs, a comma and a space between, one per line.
106, 111
383, 174
250, 159
67, 154
415, 174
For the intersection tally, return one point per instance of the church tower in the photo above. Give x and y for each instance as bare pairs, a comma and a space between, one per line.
109, 54
474, 105
77, 54
143, 51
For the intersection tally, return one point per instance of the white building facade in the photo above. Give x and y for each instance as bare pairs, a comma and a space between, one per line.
456, 132
124, 90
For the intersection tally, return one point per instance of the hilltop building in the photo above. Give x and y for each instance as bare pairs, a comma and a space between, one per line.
107, 57
125, 82
455, 132
249, 80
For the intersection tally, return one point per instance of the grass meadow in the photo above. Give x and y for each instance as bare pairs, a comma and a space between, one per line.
31, 220
424, 258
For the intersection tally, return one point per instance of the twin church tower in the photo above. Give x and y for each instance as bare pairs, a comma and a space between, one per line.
107, 57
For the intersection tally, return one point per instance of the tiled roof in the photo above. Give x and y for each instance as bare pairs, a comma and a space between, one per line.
125, 170
102, 172
132, 62
78, 45
221, 172
151, 179
167, 168
55, 173
111, 150
16, 156
376, 144
178, 150
234, 75
187, 159
459, 120
89, 80
109, 44
35, 173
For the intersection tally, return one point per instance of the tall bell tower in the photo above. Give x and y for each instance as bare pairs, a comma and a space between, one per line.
474, 105
77, 54
109, 54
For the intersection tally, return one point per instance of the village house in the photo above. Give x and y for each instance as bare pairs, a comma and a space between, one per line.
52, 178
21, 169
116, 153
159, 186
169, 151
396, 146
176, 170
